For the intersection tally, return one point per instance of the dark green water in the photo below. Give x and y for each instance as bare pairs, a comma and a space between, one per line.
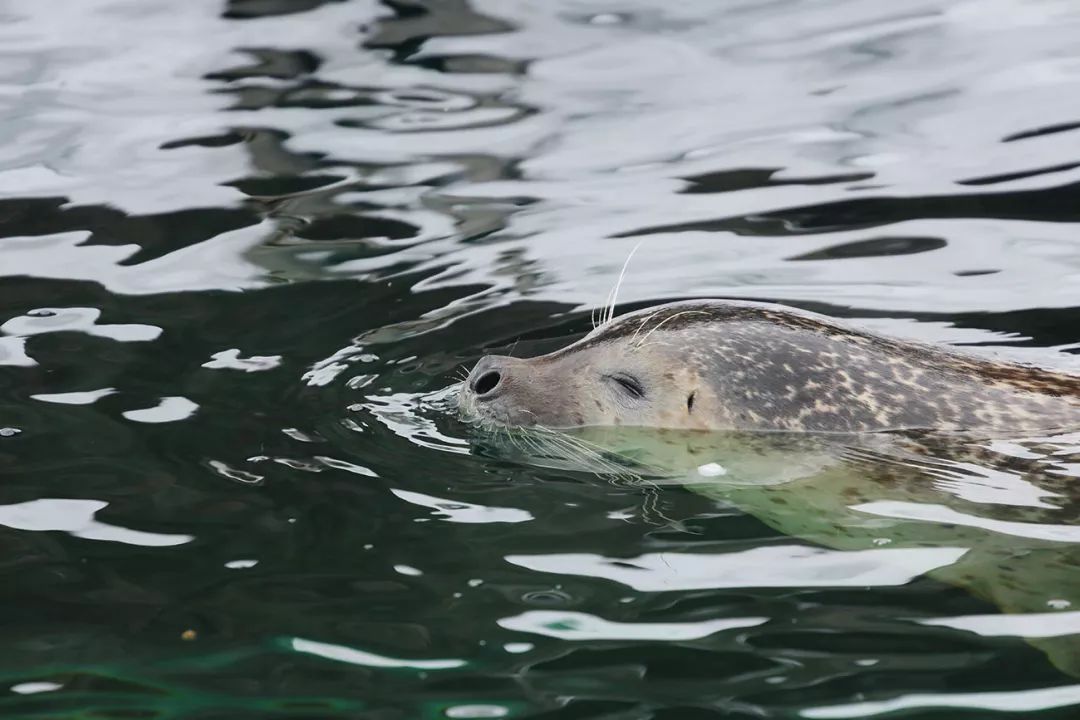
245, 246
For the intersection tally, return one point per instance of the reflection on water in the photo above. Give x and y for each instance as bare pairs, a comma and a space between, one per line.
247, 246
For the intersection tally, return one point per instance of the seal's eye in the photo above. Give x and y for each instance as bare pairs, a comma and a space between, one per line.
630, 384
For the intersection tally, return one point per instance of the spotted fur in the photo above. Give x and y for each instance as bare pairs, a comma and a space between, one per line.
755, 366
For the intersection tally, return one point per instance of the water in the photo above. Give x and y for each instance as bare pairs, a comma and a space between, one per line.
245, 247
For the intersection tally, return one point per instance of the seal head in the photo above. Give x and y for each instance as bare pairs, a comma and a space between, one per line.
725, 365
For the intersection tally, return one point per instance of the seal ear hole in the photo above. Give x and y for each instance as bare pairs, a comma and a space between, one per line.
690, 402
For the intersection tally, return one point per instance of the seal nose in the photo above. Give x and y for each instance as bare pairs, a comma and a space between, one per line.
486, 383
487, 377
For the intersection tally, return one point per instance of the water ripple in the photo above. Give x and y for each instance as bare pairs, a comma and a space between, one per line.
248, 247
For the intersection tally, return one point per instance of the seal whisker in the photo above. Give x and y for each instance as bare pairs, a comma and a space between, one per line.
577, 448
554, 440
544, 444
517, 440
613, 296
552, 445
532, 443
598, 452
667, 320
511, 439
642, 324
569, 450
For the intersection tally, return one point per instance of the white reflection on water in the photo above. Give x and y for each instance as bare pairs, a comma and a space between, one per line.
944, 515
13, 352
31, 688
77, 319
169, 409
77, 518
582, 626
398, 412
215, 264
774, 566
353, 656
1029, 625
625, 110
988, 485
86, 397
1022, 701
230, 360
463, 512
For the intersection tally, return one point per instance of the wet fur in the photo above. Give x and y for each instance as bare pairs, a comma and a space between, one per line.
778, 368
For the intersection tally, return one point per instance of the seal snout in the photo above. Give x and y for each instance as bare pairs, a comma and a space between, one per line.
505, 390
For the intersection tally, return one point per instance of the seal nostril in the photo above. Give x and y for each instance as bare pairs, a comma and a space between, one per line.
486, 383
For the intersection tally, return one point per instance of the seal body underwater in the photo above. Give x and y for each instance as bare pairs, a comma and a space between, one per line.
729, 365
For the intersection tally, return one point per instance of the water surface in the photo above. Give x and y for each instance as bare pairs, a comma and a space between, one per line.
246, 246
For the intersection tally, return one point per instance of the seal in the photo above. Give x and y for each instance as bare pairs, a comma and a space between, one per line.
780, 412
736, 365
